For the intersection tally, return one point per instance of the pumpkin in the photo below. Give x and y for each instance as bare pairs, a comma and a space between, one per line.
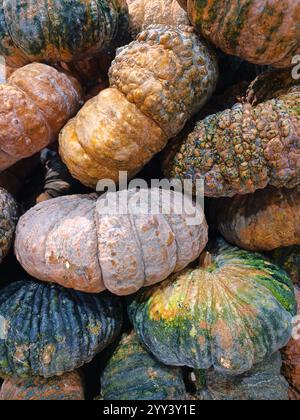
244, 148
47, 330
260, 31
35, 104
156, 83
8, 221
263, 382
263, 221
61, 30
230, 314
133, 374
83, 243
289, 259
66, 387
143, 13
291, 357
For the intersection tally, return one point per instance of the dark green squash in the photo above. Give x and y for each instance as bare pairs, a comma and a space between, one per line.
46, 330
8, 221
230, 314
289, 259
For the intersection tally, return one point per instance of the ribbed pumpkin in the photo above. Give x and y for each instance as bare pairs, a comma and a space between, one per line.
81, 242
46, 330
8, 221
263, 382
289, 260
229, 314
156, 83
133, 374
244, 148
260, 31
35, 104
67, 387
54, 31
263, 221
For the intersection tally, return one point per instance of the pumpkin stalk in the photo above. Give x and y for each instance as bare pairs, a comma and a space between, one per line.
205, 260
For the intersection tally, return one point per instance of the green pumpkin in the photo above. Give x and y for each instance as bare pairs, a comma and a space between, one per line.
289, 259
229, 314
133, 374
59, 30
46, 330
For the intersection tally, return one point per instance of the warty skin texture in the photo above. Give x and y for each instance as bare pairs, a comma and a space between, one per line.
9, 214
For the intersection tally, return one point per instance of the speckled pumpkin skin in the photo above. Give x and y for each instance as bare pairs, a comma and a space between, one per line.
262, 383
260, 31
133, 374
35, 104
8, 220
263, 221
156, 83
289, 260
56, 30
230, 315
47, 330
71, 241
68, 387
244, 148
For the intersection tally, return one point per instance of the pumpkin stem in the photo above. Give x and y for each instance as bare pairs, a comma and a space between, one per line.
205, 259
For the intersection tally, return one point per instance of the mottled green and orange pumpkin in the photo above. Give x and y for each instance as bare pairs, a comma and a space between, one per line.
231, 313
8, 221
134, 374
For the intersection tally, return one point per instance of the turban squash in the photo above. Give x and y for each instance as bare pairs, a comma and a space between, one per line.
53, 31
260, 31
156, 83
35, 104
8, 221
230, 314
67, 387
76, 242
133, 374
46, 330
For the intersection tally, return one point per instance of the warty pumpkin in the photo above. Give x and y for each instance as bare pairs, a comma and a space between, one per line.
260, 31
53, 31
244, 148
289, 259
263, 221
134, 374
35, 104
230, 314
8, 220
76, 242
156, 83
263, 382
47, 330
68, 387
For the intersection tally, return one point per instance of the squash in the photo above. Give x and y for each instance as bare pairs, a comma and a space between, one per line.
59, 30
289, 260
143, 13
46, 330
133, 374
262, 383
35, 104
263, 221
82, 242
291, 357
260, 31
231, 313
244, 148
156, 83
8, 220
68, 387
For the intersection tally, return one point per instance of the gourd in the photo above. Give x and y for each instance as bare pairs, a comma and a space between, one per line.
143, 13
68, 387
156, 83
35, 31
47, 330
35, 104
259, 31
289, 260
263, 221
291, 357
8, 220
245, 148
263, 382
231, 313
133, 374
83, 242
